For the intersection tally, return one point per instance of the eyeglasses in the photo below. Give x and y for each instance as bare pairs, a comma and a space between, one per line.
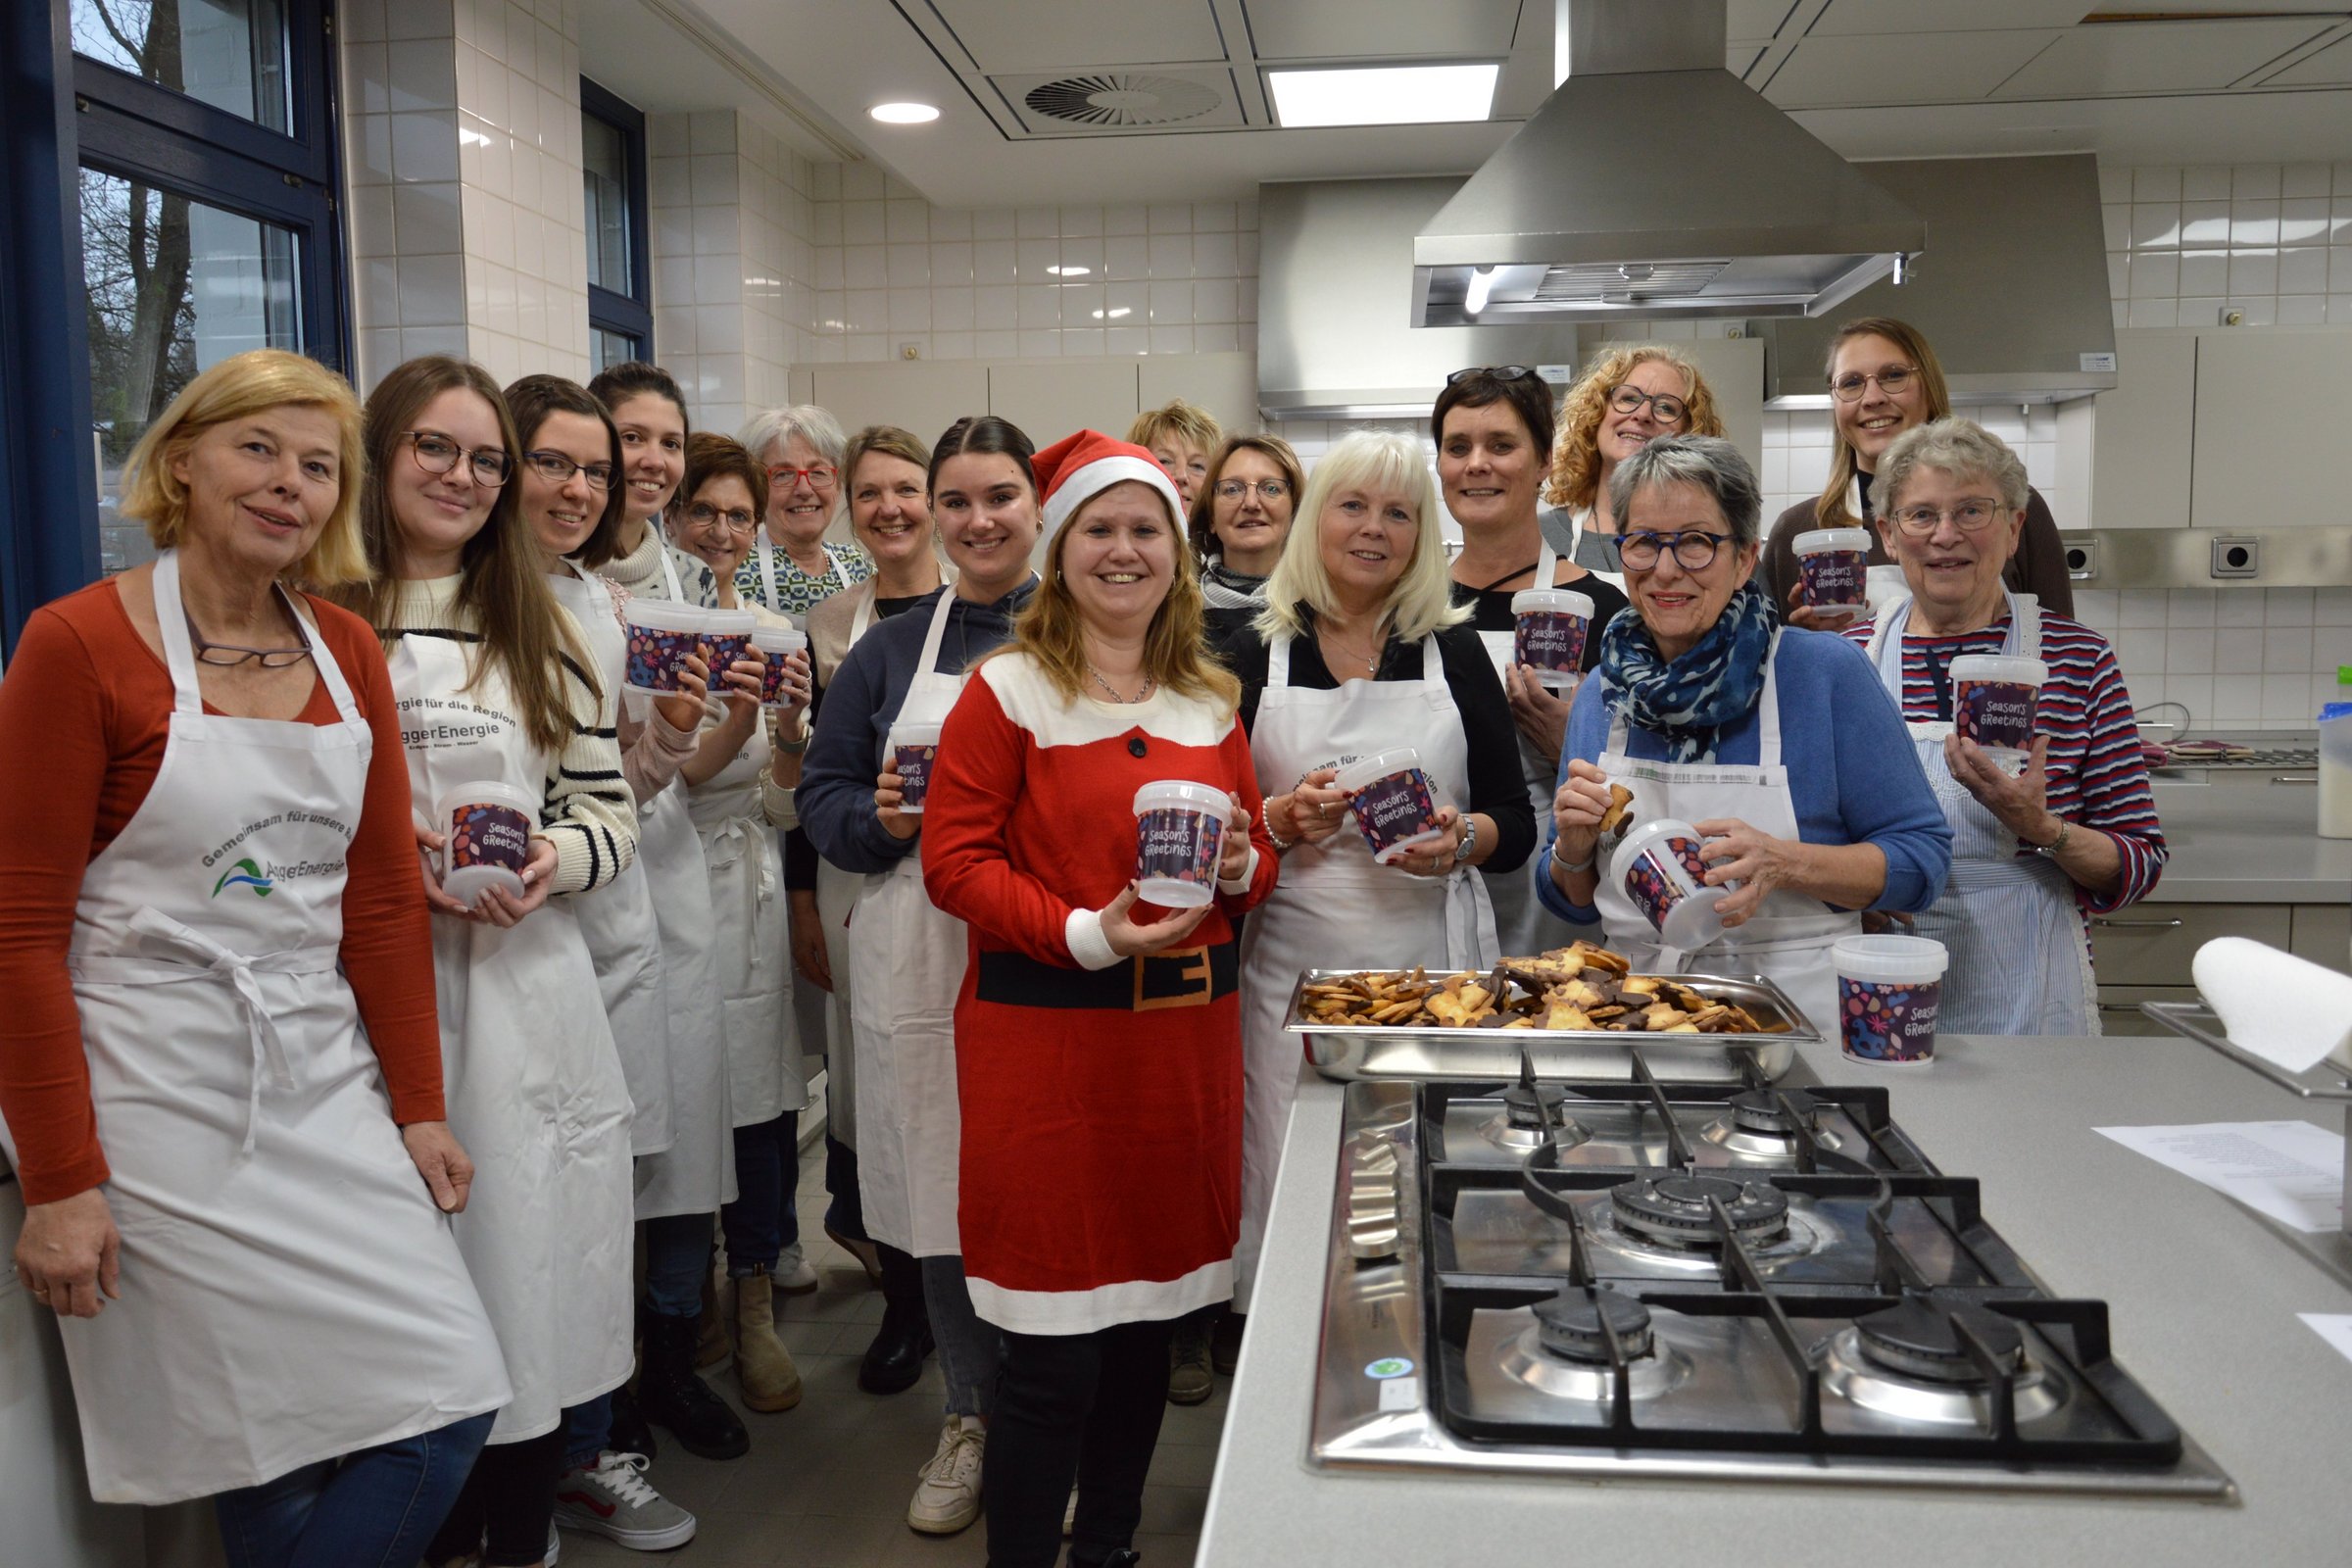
1498, 372
1969, 517
785, 476
556, 468
703, 515
1668, 407
1268, 489
438, 454
1692, 552
1892, 380
229, 656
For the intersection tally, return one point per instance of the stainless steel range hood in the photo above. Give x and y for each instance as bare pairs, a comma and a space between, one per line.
1654, 183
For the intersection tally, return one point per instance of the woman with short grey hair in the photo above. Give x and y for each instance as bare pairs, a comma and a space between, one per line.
796, 565
1775, 745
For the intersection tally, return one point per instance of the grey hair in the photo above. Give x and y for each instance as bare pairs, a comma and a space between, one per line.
1709, 462
772, 427
1961, 448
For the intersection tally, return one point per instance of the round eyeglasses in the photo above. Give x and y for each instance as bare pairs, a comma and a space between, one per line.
1971, 516
556, 468
1268, 489
1692, 552
1851, 386
438, 454
1668, 408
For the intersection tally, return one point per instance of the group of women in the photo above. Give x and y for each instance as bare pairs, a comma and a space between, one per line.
427, 1178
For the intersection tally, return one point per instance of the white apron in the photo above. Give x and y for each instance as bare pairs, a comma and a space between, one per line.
2019, 963
766, 552
907, 961
616, 919
1787, 939
1522, 925
1333, 907
535, 1089
753, 950
837, 893
289, 1292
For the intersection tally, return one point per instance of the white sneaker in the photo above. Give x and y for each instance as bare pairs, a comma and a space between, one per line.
947, 1498
1069, 1514
793, 1273
554, 1548
614, 1500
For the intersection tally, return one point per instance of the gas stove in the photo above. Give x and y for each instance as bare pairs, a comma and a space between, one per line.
1719, 1282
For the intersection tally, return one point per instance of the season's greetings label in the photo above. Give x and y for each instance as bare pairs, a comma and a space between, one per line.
1888, 1021
1836, 577
725, 647
656, 656
1995, 712
482, 833
913, 764
1394, 808
1176, 844
1549, 639
1655, 890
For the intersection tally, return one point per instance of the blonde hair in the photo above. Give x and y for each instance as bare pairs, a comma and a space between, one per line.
1576, 450
237, 389
1830, 511
1422, 599
1051, 630
1189, 422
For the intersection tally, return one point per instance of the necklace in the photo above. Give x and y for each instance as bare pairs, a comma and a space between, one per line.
1142, 696
1371, 659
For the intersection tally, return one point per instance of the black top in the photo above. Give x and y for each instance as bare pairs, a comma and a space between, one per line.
800, 855
1491, 610
1495, 786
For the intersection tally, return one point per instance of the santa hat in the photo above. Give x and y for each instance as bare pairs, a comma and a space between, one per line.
1077, 469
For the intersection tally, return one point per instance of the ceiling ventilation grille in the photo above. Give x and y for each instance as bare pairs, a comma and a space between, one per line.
1121, 98
1627, 281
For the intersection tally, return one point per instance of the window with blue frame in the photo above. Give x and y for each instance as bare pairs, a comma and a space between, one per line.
620, 316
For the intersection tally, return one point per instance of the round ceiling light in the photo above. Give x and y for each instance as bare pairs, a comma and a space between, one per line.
904, 114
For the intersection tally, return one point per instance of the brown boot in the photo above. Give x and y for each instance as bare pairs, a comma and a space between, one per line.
711, 1344
763, 1366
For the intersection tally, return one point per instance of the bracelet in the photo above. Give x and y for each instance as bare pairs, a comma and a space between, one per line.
1574, 867
2052, 847
1281, 846
792, 747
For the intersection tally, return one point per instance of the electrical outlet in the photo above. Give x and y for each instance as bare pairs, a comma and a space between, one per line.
2238, 557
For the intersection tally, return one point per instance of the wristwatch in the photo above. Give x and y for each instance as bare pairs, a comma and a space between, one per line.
1462, 851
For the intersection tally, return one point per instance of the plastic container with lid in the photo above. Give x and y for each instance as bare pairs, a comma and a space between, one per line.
2336, 772
487, 831
913, 751
1888, 989
726, 637
662, 634
1179, 833
1552, 623
1993, 697
777, 643
1394, 805
1835, 564
1658, 866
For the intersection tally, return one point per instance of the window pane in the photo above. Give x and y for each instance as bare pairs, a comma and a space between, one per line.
174, 286
605, 173
612, 348
230, 54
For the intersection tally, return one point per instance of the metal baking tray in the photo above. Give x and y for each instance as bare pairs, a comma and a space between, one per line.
1428, 1051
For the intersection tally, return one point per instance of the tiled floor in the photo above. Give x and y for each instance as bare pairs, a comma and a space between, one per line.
826, 1485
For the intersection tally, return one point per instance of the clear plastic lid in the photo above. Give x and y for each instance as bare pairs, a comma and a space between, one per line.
663, 614
2000, 668
914, 732
487, 793
1184, 792
1645, 836
1551, 601
1814, 540
729, 621
778, 639
1380, 764
1890, 961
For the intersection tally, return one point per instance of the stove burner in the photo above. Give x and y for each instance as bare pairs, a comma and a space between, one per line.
1528, 1108
1569, 1324
1918, 1338
1674, 1209
1525, 1101
1758, 1111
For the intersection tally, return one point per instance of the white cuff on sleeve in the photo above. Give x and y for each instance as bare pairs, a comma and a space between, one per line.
1082, 931
1241, 884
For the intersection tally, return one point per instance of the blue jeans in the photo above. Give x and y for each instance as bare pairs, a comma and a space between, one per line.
375, 1508
677, 1259
762, 1221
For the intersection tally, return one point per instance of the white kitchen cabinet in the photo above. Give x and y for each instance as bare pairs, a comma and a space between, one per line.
2145, 433
923, 396
1050, 398
1225, 384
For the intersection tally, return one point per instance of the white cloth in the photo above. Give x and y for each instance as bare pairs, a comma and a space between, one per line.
753, 950
907, 961
1788, 938
290, 1293
837, 893
2018, 961
624, 940
1522, 925
1332, 905
535, 1088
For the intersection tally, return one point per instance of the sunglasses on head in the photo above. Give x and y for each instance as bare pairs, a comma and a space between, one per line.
1496, 372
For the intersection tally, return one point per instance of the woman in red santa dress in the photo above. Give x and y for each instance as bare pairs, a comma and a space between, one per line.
1097, 1037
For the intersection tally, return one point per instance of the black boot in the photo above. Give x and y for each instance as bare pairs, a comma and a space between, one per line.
670, 1394
895, 1359
631, 1434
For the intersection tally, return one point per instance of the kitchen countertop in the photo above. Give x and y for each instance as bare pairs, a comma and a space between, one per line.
2244, 843
2175, 1261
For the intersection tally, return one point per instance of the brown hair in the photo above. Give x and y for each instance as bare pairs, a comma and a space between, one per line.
1830, 511
982, 433
1188, 422
1051, 630
1204, 506
616, 384
1576, 453
500, 579
888, 440
1530, 397
237, 389
532, 399
710, 456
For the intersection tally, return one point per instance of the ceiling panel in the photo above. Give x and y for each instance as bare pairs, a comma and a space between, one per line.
1928, 67
1753, 20
1351, 29
1848, 17
1049, 35
2331, 67
2116, 59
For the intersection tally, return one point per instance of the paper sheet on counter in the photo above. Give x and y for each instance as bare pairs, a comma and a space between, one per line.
2289, 1171
2334, 1327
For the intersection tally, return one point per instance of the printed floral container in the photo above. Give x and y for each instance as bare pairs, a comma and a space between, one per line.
913, 751
1658, 865
1993, 701
1834, 564
488, 829
1179, 833
777, 643
1553, 625
660, 636
1887, 991
1395, 805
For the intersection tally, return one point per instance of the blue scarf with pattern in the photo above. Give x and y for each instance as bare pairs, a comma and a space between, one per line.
1690, 701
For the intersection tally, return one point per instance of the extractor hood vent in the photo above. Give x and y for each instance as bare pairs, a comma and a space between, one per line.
1651, 155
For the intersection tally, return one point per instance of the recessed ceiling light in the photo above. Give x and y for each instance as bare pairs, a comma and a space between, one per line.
1383, 95
904, 114
1070, 272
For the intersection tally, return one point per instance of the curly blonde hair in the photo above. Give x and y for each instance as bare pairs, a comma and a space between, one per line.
1576, 450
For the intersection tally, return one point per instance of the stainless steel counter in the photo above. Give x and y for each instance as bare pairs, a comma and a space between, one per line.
2203, 1296
2248, 844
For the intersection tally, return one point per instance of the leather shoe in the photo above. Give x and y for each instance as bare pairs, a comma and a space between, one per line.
895, 1359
